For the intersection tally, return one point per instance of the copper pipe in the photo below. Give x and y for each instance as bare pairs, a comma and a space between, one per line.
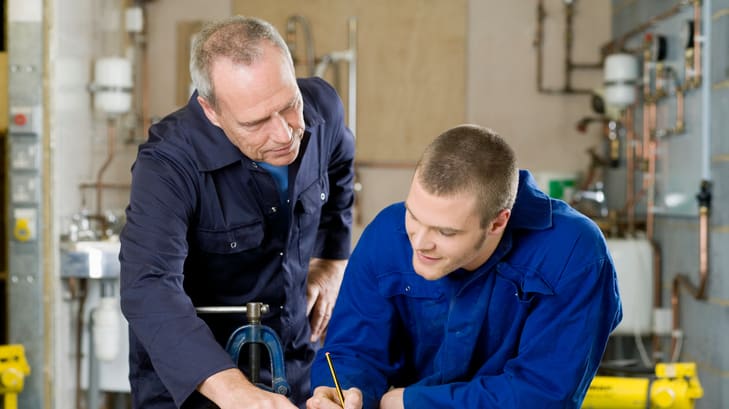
538, 40
660, 90
568, 65
82, 296
652, 119
649, 126
657, 288
679, 126
630, 169
696, 80
703, 251
569, 13
682, 279
692, 55
649, 184
618, 43
646, 100
646, 136
680, 109
110, 150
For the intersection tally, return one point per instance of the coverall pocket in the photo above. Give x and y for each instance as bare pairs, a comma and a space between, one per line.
230, 241
422, 304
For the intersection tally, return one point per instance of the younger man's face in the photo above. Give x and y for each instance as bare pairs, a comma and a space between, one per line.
445, 232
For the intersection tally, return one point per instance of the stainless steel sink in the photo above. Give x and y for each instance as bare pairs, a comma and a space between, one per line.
90, 259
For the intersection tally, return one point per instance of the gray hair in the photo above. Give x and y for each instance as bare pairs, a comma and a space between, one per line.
238, 38
471, 159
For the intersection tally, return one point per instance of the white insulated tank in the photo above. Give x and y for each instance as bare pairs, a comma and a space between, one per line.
633, 260
620, 80
113, 85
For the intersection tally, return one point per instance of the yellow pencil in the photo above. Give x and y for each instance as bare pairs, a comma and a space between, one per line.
334, 376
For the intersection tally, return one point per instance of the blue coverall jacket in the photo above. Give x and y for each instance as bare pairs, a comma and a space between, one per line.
526, 330
206, 227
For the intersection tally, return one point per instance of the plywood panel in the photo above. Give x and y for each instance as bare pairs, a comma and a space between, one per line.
411, 69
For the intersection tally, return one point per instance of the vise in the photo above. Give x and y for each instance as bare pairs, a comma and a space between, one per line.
254, 334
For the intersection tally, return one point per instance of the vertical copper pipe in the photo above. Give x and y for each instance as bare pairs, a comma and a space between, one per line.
703, 251
649, 185
538, 39
630, 169
646, 133
569, 11
657, 288
675, 311
679, 127
660, 90
697, 43
697, 291
110, 149
646, 99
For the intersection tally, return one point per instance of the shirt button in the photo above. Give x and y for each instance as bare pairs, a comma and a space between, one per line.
233, 244
273, 209
280, 254
254, 164
407, 289
323, 196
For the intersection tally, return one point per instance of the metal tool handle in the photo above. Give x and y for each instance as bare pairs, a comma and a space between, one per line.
253, 310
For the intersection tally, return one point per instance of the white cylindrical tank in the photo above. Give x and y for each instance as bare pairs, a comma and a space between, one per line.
106, 328
113, 85
621, 76
633, 260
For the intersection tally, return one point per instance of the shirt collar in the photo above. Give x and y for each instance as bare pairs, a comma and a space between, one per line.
533, 208
213, 148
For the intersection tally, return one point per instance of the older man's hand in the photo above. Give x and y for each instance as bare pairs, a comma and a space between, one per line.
325, 277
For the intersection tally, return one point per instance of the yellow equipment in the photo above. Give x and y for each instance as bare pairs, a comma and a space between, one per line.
13, 369
676, 386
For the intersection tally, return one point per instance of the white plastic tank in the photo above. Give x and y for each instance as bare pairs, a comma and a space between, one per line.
621, 75
633, 260
113, 85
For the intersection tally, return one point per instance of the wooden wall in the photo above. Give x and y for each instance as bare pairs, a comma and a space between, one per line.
411, 69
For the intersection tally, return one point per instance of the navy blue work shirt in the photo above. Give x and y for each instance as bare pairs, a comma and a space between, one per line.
206, 227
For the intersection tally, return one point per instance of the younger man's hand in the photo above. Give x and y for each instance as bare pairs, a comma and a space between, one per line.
326, 398
393, 399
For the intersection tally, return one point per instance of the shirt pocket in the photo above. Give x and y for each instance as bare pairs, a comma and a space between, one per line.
313, 197
528, 283
232, 240
422, 304
308, 215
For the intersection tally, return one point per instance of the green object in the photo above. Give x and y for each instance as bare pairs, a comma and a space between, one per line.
557, 187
